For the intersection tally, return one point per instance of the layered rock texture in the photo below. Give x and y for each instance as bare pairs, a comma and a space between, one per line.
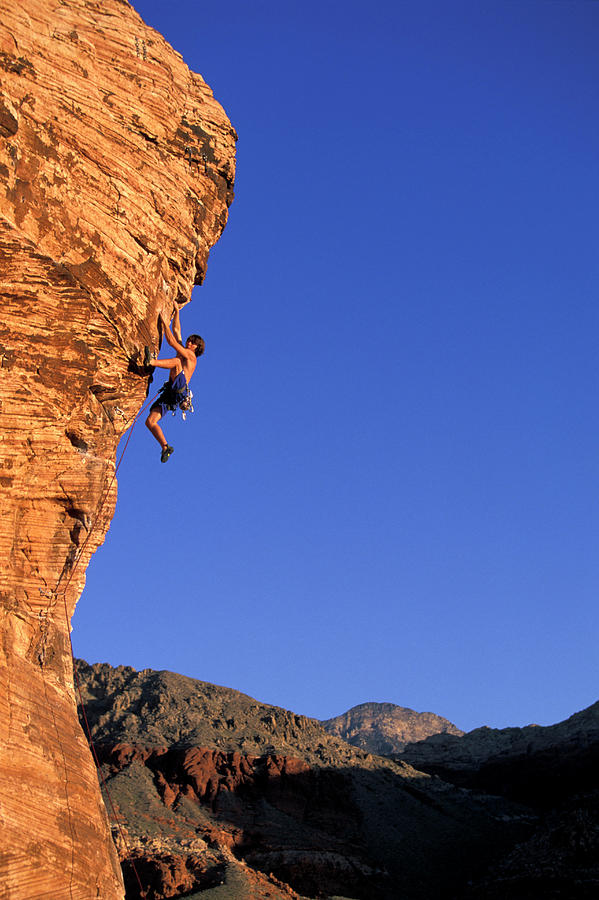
225, 797
116, 173
385, 728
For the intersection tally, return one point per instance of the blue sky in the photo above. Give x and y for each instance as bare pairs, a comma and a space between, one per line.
388, 490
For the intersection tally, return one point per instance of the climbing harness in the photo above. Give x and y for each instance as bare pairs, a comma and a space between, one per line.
186, 405
172, 396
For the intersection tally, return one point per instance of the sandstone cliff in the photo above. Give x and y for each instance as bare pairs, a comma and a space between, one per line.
116, 173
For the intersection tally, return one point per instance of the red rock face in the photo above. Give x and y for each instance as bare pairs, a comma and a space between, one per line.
202, 774
244, 812
165, 875
116, 173
212, 784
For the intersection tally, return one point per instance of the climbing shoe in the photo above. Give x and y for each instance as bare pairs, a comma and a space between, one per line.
147, 357
166, 452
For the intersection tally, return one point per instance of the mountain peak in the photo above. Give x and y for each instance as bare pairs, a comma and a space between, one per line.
385, 728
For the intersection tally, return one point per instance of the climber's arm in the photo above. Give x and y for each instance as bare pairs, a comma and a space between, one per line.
174, 343
176, 325
170, 337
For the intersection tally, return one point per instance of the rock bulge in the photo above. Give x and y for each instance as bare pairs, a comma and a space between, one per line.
116, 174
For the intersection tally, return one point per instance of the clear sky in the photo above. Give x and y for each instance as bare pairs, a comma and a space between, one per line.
390, 487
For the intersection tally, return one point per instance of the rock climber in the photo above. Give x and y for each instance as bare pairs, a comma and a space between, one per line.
174, 392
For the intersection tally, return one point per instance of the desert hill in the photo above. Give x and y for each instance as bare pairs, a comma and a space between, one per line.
214, 786
385, 728
554, 771
167, 709
516, 762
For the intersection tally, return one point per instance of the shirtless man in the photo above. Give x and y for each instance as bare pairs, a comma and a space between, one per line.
175, 392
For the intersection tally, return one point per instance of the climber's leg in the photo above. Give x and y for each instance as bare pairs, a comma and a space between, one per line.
152, 423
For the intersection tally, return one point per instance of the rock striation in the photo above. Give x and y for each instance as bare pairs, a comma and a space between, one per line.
116, 174
385, 728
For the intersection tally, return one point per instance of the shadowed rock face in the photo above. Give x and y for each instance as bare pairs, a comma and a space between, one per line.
516, 762
116, 173
213, 784
385, 728
553, 770
219, 791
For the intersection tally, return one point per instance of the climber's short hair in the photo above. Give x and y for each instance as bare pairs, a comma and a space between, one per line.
200, 346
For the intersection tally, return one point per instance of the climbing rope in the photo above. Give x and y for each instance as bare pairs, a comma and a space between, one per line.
103, 499
77, 680
98, 764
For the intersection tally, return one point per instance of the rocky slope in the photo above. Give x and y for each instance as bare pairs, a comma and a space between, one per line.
554, 771
212, 784
385, 728
516, 761
116, 172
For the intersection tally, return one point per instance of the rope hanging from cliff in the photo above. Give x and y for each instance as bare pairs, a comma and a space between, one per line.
75, 672
103, 500
90, 740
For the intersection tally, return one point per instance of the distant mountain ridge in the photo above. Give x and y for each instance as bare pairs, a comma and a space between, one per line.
223, 797
474, 748
385, 728
515, 762
552, 769
217, 789
161, 708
